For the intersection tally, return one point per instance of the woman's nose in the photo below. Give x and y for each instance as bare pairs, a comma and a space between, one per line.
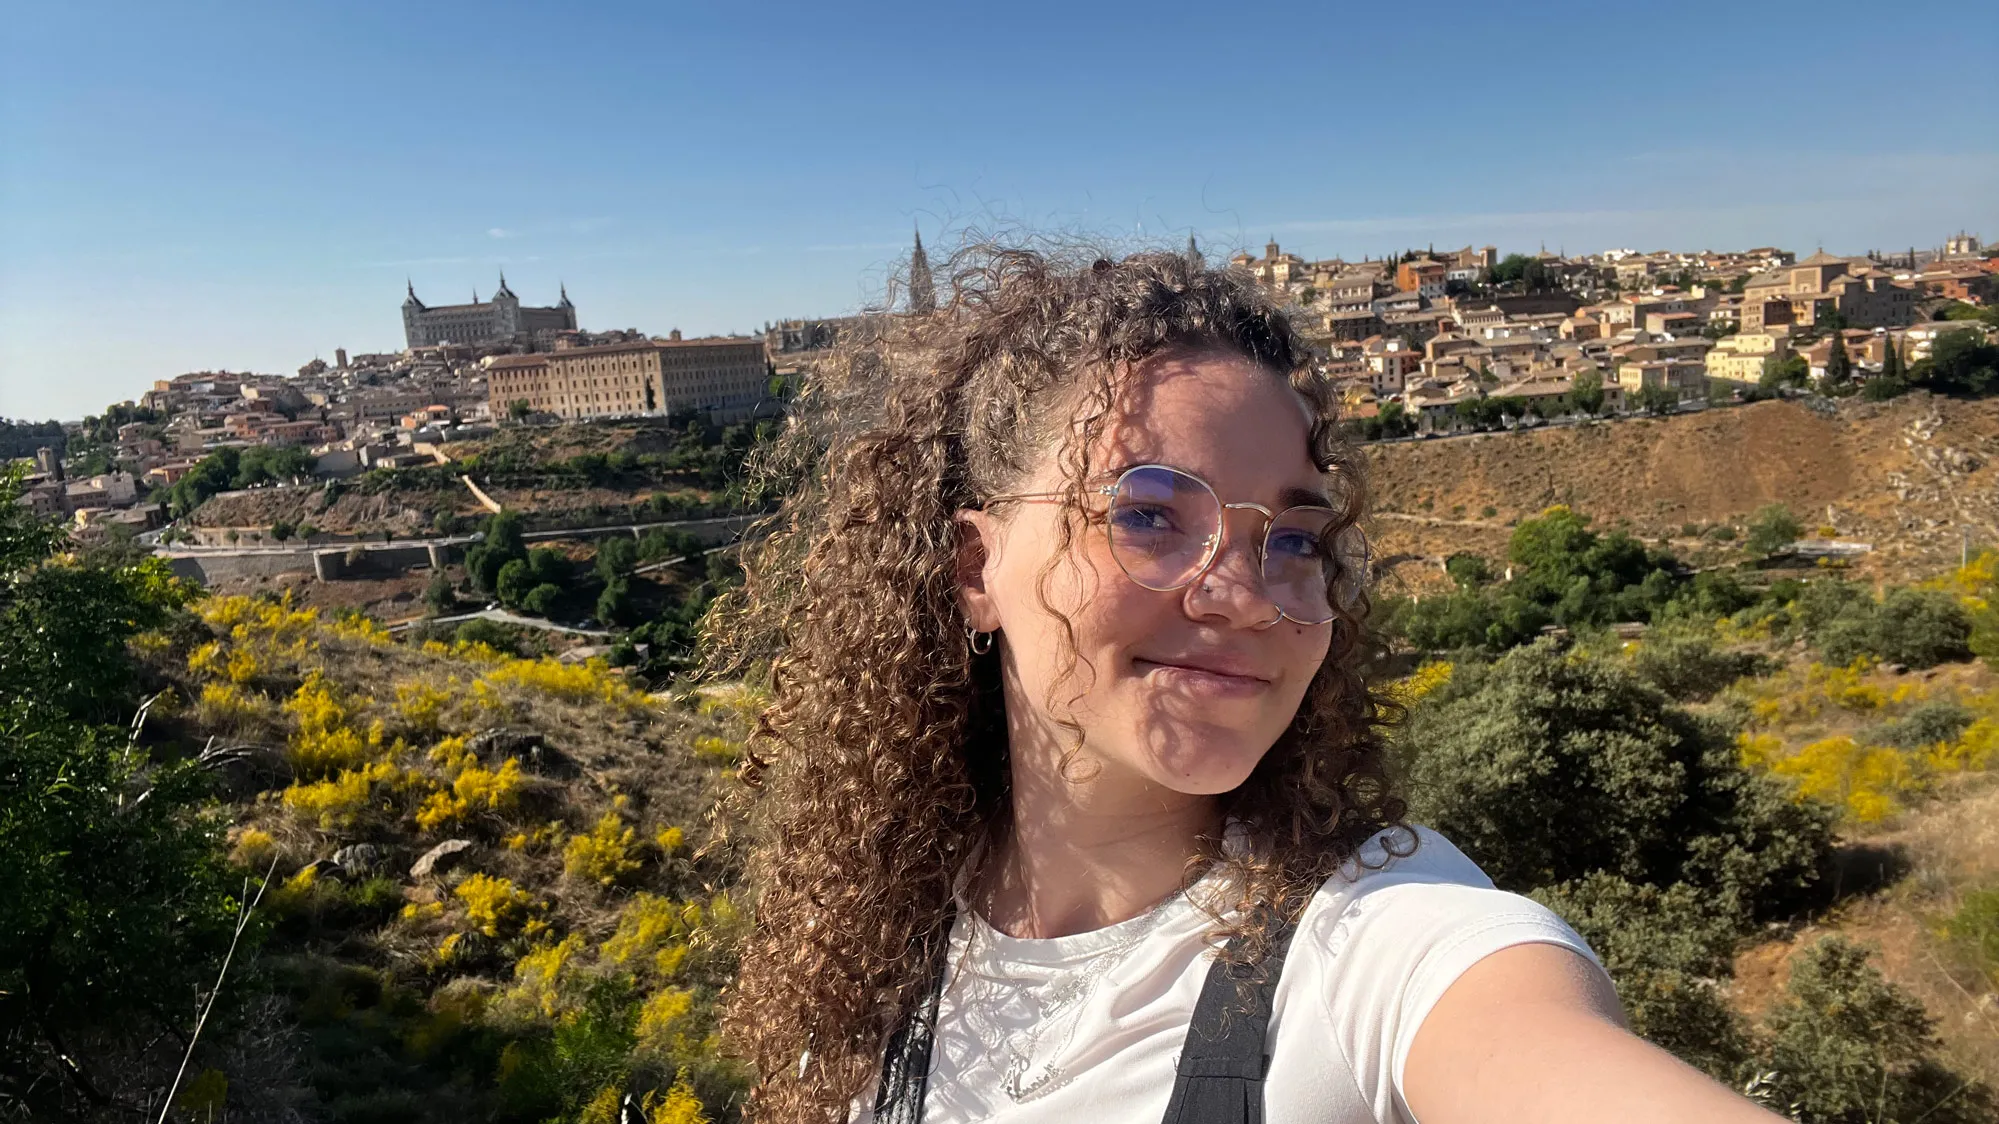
1233, 582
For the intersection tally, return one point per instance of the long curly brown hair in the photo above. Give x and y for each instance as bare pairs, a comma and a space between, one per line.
880, 767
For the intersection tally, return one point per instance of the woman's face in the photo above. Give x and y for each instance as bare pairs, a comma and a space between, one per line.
1184, 689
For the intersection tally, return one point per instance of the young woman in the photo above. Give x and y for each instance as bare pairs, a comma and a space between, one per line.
1072, 804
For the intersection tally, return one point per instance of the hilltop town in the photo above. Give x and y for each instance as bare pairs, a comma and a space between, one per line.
1421, 343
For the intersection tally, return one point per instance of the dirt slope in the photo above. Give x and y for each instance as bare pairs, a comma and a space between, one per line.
1906, 476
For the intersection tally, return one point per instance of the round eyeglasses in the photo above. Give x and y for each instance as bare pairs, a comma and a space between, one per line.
1165, 527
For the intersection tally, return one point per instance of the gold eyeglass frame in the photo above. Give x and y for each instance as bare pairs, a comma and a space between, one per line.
1216, 541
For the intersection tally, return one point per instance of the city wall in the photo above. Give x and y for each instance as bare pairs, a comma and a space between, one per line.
387, 560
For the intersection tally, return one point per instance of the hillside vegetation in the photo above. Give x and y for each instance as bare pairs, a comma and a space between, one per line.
1907, 476
567, 475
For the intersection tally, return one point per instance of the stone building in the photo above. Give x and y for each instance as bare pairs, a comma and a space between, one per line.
1813, 290
503, 320
727, 376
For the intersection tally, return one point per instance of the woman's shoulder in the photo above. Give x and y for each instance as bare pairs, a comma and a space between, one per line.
1408, 890
1401, 855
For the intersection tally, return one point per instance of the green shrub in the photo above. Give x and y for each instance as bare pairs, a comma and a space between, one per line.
1691, 666
440, 596
515, 581
1549, 766
1914, 627
1668, 951
1926, 724
543, 599
1468, 570
1974, 931
615, 557
1772, 528
1848, 1047
614, 605
491, 633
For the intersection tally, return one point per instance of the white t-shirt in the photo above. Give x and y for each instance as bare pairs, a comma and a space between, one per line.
1089, 1027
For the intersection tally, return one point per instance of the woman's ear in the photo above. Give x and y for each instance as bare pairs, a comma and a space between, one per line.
977, 542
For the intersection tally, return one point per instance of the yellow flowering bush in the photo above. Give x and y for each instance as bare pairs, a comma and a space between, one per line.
253, 848
1412, 688
336, 803
591, 680
360, 626
738, 700
491, 903
423, 911
713, 748
477, 651
275, 624
652, 934
224, 705
678, 1105
1868, 782
324, 742
474, 789
421, 707
1973, 750
604, 855
662, 1025
539, 975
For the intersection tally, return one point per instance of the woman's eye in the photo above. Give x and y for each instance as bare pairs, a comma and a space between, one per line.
1134, 517
1297, 544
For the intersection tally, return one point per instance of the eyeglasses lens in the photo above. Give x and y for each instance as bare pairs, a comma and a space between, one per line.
1298, 562
1162, 523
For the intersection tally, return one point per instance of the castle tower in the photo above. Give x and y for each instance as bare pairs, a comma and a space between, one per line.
506, 309
922, 290
413, 335
567, 309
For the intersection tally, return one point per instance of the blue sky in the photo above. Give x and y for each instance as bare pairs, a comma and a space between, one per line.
245, 186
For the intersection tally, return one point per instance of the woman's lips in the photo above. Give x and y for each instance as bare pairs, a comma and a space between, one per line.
1201, 680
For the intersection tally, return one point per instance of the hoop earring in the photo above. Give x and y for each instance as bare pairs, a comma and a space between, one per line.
973, 636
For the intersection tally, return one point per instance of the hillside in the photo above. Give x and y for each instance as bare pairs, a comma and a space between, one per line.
1905, 475
478, 859
558, 476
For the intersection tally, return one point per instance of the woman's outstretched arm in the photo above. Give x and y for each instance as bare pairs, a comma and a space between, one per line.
1533, 1034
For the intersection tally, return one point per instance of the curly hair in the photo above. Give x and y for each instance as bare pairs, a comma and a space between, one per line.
879, 767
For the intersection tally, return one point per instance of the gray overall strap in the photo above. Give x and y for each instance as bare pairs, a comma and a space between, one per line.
905, 1069
1222, 1063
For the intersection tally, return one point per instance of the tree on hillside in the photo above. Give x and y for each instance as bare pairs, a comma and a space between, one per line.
1893, 379
1659, 401
1772, 528
1959, 363
114, 904
1838, 365
502, 544
1790, 370
1587, 394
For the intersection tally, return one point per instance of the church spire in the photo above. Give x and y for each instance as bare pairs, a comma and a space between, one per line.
922, 289
1195, 261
